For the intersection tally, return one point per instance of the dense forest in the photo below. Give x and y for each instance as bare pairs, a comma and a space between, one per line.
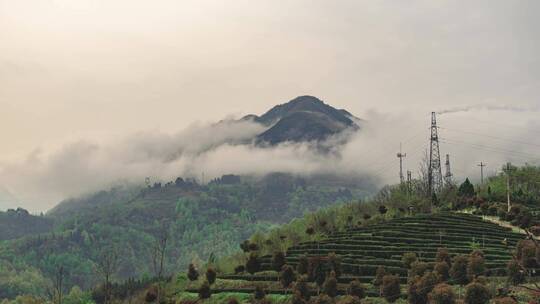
202, 222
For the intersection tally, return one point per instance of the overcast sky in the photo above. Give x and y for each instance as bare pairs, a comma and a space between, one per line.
101, 70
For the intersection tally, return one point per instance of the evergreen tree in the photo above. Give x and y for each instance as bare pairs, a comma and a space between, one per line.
466, 189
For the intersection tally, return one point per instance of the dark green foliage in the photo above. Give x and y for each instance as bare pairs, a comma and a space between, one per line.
442, 294
356, 289
278, 260
515, 274
408, 259
390, 288
420, 287
443, 270
192, 274
17, 223
381, 272
253, 263
211, 275
383, 209
322, 299
204, 290
476, 293
239, 269
317, 270
458, 271
287, 276
259, 292
466, 189
303, 265
330, 285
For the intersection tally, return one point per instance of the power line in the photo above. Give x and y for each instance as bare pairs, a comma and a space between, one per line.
491, 136
491, 148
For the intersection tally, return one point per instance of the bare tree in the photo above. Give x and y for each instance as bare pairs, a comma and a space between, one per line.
107, 266
158, 256
58, 288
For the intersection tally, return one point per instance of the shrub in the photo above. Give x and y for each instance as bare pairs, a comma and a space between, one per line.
458, 271
475, 266
390, 288
316, 271
330, 285
211, 275
301, 288
506, 300
356, 289
322, 299
259, 292
253, 264
151, 294
443, 270
515, 274
334, 264
526, 253
192, 274
232, 301
420, 287
204, 290
297, 299
278, 260
442, 294
383, 209
443, 256
378, 280
535, 230
239, 269
408, 259
366, 216
476, 293
303, 265
418, 269
287, 276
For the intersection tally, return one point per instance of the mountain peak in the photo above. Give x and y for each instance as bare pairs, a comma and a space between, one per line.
305, 118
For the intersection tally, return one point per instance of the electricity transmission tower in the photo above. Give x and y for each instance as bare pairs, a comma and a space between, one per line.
435, 180
481, 165
448, 174
401, 156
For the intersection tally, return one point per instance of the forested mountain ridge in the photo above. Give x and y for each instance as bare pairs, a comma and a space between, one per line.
202, 221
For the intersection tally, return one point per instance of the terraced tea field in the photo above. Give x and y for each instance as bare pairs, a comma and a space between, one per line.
364, 249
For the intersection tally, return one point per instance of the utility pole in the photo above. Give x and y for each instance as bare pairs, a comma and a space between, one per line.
448, 174
409, 181
508, 170
481, 165
434, 173
401, 156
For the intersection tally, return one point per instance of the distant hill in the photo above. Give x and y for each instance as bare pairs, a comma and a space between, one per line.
17, 223
303, 119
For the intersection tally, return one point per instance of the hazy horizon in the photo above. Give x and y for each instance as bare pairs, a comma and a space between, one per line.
97, 91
